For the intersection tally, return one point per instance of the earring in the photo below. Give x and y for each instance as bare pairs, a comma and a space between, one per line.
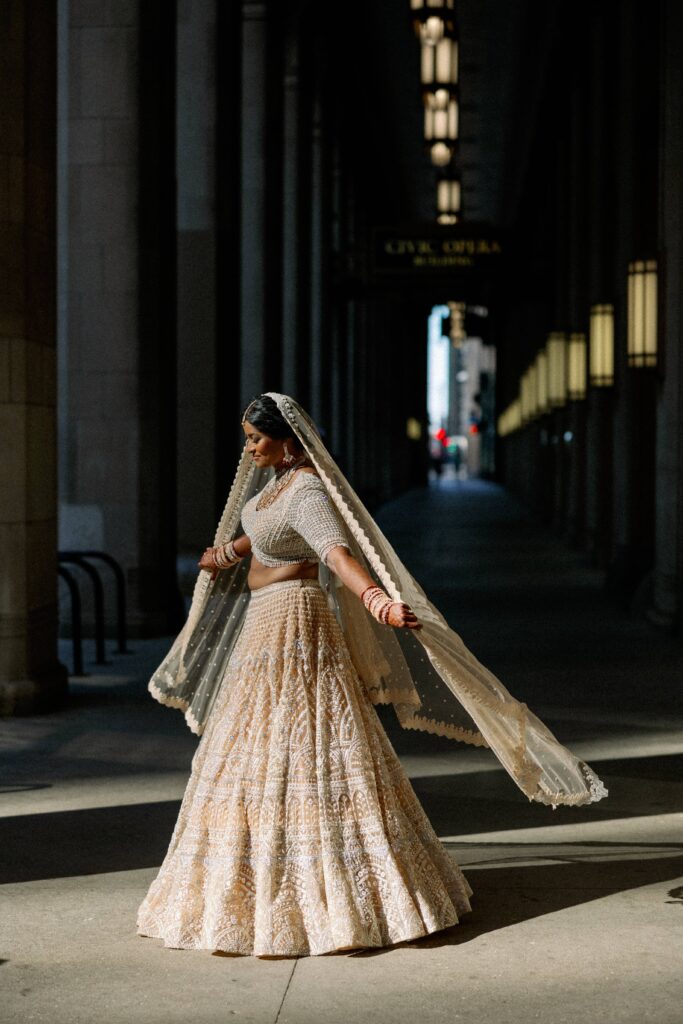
287, 458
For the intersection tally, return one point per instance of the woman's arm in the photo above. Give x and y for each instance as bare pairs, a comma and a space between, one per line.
353, 575
242, 546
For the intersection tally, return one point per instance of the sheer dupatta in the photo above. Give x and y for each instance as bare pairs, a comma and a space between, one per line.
433, 681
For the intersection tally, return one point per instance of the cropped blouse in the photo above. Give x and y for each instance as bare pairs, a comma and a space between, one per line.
302, 524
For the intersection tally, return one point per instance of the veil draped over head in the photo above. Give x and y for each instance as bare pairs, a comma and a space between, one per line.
430, 677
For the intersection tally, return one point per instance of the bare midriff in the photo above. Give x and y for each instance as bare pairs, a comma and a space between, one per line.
261, 575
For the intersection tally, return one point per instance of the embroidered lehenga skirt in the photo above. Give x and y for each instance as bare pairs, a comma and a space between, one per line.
299, 832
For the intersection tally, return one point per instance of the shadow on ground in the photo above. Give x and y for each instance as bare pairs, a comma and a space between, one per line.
510, 895
122, 838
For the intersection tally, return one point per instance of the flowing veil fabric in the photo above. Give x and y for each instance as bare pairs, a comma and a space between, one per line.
434, 682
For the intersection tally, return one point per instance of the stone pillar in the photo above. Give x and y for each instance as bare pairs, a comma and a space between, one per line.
635, 237
575, 421
600, 230
294, 362
319, 409
668, 573
260, 303
228, 202
160, 605
199, 389
117, 299
31, 679
99, 428
339, 396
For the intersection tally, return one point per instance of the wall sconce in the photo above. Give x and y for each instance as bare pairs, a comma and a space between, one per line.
413, 428
524, 397
528, 394
448, 201
642, 313
533, 391
441, 131
556, 352
432, 19
441, 154
510, 419
576, 366
602, 345
439, 72
542, 381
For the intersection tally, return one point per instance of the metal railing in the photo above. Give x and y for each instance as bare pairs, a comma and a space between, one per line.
83, 560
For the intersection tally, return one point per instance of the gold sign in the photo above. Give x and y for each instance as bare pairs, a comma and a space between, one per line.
455, 249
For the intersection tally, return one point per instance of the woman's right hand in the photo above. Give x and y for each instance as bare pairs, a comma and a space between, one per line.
207, 563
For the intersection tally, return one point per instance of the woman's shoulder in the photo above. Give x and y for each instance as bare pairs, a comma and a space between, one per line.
308, 475
306, 481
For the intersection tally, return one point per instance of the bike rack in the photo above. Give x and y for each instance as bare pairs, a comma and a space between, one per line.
82, 559
120, 581
76, 558
76, 630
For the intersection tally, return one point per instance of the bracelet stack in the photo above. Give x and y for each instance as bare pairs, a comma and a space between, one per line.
378, 603
225, 555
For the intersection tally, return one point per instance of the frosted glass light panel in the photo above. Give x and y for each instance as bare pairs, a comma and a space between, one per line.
601, 368
526, 399
542, 381
448, 201
556, 353
441, 125
642, 313
576, 366
533, 390
510, 419
439, 72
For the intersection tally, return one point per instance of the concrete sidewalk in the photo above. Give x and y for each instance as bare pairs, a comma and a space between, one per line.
578, 913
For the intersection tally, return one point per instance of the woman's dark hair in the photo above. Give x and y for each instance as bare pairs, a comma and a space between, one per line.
264, 414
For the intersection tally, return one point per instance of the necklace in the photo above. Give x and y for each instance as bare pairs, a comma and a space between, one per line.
278, 483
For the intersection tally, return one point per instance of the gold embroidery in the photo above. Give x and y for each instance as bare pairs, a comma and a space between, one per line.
299, 832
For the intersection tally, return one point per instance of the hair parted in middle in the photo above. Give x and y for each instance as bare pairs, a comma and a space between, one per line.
263, 413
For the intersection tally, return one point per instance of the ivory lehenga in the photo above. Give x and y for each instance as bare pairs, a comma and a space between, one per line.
299, 832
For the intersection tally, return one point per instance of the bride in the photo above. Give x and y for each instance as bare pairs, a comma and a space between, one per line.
299, 832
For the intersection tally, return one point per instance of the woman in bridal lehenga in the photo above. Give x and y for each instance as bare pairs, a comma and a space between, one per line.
299, 832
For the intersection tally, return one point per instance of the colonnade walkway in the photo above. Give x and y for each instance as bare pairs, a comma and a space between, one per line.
578, 913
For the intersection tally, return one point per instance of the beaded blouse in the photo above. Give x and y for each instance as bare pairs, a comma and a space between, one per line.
302, 524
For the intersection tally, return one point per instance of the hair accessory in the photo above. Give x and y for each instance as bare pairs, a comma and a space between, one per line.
244, 414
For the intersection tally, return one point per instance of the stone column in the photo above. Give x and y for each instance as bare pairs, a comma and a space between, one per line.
117, 322
98, 286
294, 362
635, 237
668, 573
339, 396
600, 228
575, 422
227, 59
319, 411
31, 679
199, 389
256, 304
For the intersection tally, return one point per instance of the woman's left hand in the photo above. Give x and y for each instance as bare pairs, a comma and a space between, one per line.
402, 617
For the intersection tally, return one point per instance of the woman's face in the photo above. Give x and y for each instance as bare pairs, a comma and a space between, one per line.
265, 451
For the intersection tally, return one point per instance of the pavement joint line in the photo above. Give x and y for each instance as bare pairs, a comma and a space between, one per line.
284, 995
